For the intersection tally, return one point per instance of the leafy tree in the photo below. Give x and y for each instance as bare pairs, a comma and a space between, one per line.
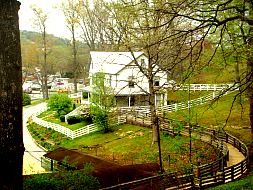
60, 103
11, 135
102, 103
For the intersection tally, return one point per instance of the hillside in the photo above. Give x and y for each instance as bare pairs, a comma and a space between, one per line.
59, 55
32, 37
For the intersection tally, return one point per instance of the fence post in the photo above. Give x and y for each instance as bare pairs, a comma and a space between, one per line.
223, 177
213, 132
198, 170
227, 156
52, 165
241, 167
232, 173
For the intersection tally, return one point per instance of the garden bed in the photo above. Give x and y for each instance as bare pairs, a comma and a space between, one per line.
130, 144
50, 116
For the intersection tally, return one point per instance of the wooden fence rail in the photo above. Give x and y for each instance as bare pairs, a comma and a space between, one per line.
203, 176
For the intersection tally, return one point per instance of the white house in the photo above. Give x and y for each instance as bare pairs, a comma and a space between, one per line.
129, 83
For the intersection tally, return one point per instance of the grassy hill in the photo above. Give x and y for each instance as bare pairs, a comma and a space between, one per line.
226, 112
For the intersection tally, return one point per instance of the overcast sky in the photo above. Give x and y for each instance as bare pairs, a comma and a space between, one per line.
55, 23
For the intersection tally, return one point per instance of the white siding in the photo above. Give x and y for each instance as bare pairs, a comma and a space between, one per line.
120, 79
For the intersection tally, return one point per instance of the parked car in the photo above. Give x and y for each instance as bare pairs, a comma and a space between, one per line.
62, 90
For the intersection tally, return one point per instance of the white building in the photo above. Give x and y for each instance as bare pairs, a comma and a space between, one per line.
129, 83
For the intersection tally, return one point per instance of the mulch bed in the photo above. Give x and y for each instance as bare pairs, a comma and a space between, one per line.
108, 173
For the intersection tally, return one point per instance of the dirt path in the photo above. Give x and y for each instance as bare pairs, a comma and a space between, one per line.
33, 153
235, 156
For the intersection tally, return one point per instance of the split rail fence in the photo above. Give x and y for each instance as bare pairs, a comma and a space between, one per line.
203, 176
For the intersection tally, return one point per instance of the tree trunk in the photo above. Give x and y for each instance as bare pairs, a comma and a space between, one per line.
45, 65
250, 71
75, 65
153, 112
250, 92
11, 136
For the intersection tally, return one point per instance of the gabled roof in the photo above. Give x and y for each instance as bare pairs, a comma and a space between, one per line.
111, 62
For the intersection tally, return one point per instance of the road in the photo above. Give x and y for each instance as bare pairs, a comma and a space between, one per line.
33, 153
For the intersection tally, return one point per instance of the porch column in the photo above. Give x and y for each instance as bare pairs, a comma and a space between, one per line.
129, 101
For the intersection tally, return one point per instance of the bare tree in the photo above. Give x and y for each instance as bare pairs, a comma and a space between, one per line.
71, 10
11, 136
143, 27
40, 21
229, 25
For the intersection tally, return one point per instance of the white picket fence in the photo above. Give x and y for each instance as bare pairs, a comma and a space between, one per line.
206, 87
144, 111
76, 95
61, 129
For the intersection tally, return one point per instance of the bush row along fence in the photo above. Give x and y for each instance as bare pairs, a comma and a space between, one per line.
61, 129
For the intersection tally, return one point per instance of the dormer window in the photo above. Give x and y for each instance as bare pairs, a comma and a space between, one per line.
131, 81
157, 81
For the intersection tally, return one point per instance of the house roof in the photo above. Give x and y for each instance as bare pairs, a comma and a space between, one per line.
111, 62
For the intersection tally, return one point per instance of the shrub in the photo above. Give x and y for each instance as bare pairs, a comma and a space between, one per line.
88, 119
74, 119
26, 99
43, 182
75, 180
60, 103
85, 95
62, 118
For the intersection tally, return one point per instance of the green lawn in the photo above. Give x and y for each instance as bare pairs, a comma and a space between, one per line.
35, 102
217, 114
50, 116
129, 144
243, 184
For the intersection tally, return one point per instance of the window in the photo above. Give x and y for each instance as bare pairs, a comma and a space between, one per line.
143, 64
110, 80
131, 81
156, 81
